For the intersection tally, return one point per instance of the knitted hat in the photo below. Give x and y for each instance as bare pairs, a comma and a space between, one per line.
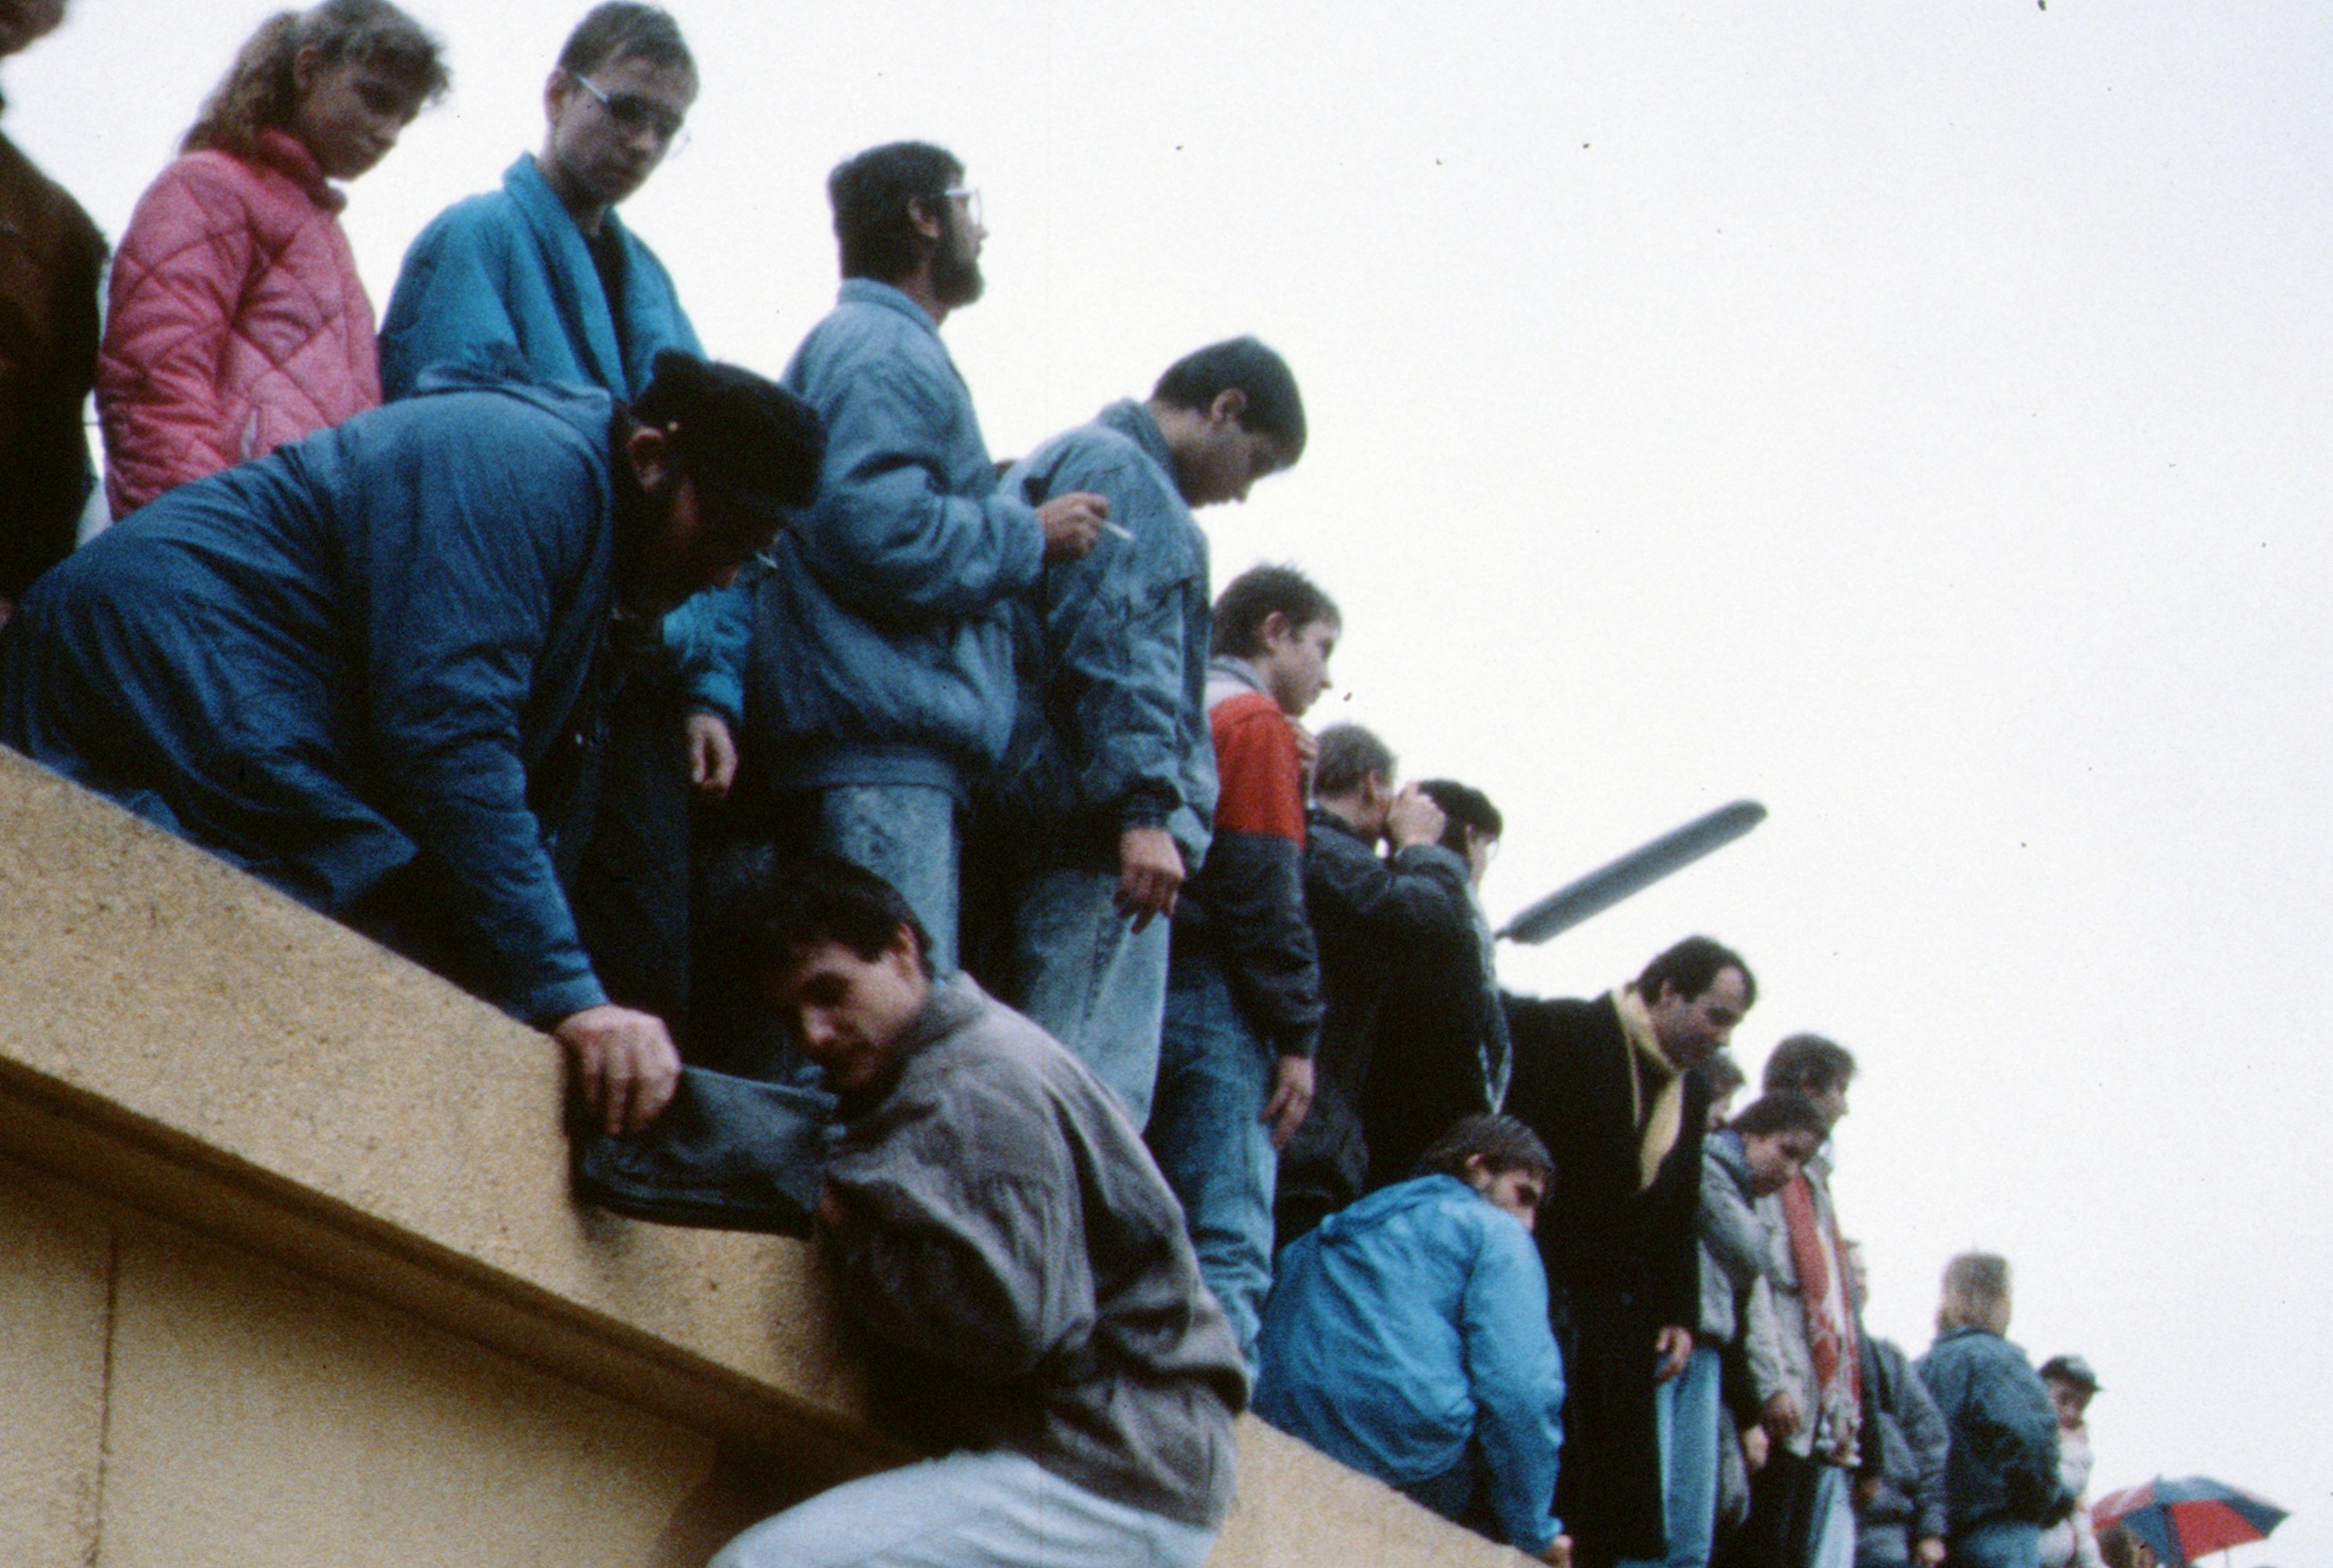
751, 446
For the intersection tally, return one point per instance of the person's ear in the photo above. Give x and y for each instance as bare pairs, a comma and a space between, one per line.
924, 221
906, 950
651, 453
1229, 405
306, 66
1275, 630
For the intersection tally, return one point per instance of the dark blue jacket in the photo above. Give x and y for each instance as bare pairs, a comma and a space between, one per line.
2003, 1460
357, 648
877, 647
1111, 656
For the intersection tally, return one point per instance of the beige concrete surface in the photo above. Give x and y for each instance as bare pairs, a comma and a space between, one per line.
263, 1073
56, 1279
291, 1275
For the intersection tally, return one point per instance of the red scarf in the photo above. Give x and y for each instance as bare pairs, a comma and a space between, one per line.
1830, 1324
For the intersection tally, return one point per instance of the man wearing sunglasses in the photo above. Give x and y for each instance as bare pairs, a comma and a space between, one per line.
543, 269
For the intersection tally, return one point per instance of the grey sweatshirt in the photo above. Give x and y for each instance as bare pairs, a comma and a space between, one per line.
1009, 1245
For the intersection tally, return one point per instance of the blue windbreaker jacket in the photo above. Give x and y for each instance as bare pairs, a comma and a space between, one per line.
1406, 1326
510, 267
358, 647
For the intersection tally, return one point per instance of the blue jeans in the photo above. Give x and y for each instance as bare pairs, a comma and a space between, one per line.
1996, 1543
1832, 1527
1097, 985
904, 834
1214, 1078
1687, 1411
992, 1510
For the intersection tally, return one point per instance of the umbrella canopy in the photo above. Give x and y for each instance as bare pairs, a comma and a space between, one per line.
2183, 1519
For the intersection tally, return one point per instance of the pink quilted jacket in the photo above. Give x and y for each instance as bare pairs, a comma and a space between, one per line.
237, 321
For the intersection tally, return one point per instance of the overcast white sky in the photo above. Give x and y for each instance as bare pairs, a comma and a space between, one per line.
1914, 417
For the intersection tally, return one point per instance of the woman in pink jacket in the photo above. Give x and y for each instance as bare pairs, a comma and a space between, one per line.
237, 321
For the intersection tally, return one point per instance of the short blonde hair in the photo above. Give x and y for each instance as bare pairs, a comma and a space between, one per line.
1976, 1293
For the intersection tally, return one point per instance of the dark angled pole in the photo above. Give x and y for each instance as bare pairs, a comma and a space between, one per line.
1633, 872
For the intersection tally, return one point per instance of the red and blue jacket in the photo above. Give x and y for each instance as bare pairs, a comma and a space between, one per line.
1247, 902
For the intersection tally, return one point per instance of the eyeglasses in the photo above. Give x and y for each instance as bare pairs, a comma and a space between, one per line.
634, 114
970, 197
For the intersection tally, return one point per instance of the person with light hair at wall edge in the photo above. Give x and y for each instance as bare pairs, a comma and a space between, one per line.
870, 663
1106, 801
1243, 976
1005, 1245
236, 321
2002, 1483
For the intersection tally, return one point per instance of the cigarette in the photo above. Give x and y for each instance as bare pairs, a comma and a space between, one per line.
1120, 530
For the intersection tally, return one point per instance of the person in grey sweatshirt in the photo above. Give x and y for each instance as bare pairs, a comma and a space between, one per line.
1002, 1237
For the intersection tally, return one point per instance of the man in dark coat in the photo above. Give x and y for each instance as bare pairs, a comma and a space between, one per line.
1371, 916
360, 667
1441, 1051
1609, 1085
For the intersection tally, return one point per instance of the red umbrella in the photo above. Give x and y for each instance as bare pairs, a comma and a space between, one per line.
2185, 1518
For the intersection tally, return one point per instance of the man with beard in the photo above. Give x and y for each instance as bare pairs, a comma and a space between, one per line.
1610, 1085
368, 691
545, 269
873, 664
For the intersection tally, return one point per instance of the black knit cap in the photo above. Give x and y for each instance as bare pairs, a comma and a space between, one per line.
751, 446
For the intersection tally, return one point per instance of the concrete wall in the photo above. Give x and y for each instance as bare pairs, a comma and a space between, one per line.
291, 1276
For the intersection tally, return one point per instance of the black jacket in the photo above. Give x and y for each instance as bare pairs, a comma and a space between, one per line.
1372, 918
1627, 1261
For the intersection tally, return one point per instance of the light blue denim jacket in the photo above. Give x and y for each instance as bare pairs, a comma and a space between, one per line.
877, 646
1111, 654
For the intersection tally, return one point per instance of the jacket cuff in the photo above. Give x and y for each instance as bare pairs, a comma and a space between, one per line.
1146, 805
546, 1004
1304, 1042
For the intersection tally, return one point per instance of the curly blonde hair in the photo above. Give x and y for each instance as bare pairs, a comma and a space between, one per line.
260, 90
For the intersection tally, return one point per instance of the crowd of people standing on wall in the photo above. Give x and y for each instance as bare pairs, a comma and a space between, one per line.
773, 727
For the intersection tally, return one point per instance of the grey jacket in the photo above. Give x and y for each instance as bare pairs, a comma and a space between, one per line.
1007, 1241
1834, 1428
1905, 1456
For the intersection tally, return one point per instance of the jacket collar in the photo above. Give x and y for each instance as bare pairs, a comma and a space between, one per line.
869, 291
571, 266
950, 1006
1133, 421
288, 155
1231, 669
